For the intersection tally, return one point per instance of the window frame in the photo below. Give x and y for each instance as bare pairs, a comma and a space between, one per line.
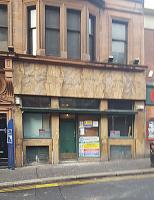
70, 10
6, 28
52, 7
125, 42
38, 113
128, 119
30, 30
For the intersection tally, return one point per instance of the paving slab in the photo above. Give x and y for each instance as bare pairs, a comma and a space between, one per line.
72, 171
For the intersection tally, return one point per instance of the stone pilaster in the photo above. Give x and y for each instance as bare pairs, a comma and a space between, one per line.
55, 131
104, 131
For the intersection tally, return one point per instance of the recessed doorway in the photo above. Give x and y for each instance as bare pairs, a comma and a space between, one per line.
68, 150
3, 140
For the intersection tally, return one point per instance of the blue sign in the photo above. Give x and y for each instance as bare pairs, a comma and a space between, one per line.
9, 136
10, 142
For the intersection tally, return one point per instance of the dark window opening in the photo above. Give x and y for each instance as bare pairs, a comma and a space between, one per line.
120, 126
32, 30
92, 32
119, 42
3, 28
36, 101
120, 104
74, 34
38, 154
79, 103
2, 63
52, 30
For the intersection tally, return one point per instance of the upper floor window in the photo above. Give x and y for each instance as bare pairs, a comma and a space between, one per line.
52, 30
73, 34
92, 37
119, 42
3, 28
32, 30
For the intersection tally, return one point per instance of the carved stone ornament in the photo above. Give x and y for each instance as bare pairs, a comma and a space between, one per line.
2, 85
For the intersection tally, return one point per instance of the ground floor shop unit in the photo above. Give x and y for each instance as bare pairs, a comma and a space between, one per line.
78, 129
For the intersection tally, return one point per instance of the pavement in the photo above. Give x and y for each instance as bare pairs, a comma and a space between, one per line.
47, 173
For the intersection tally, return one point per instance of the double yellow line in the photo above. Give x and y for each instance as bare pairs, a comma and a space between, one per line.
75, 182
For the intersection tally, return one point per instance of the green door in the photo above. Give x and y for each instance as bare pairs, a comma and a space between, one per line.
67, 140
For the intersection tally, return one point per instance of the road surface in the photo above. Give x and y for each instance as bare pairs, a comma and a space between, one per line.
127, 188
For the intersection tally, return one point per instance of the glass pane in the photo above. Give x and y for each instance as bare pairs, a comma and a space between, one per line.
46, 123
88, 125
91, 47
118, 31
52, 17
91, 25
120, 126
119, 52
33, 125
52, 42
3, 16
73, 20
73, 45
3, 34
33, 18
34, 41
3, 39
31, 101
79, 103
120, 104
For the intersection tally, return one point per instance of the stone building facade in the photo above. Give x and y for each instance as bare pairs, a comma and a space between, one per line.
78, 87
149, 61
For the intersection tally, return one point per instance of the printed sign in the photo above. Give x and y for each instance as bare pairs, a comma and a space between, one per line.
9, 136
89, 147
114, 133
95, 123
88, 124
151, 130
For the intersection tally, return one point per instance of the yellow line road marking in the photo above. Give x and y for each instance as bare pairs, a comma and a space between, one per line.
75, 182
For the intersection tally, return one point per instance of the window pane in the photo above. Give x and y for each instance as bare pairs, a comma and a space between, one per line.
52, 42
91, 47
73, 45
36, 125
32, 18
3, 39
73, 20
32, 124
120, 104
91, 25
79, 103
119, 52
31, 101
120, 126
32, 30
3, 16
118, 31
52, 17
88, 125
34, 41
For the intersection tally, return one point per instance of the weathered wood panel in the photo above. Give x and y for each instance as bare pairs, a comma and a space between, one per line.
50, 80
